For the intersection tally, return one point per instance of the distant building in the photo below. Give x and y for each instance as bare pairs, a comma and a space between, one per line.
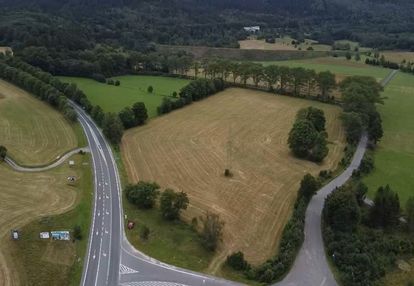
6, 50
252, 29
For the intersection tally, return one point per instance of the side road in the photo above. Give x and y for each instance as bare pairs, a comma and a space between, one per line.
311, 265
55, 164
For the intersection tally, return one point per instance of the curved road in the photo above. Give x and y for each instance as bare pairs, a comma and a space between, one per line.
55, 164
111, 260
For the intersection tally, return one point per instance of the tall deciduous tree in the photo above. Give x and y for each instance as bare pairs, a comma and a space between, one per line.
112, 128
326, 82
127, 117
140, 112
172, 203
341, 210
143, 194
386, 209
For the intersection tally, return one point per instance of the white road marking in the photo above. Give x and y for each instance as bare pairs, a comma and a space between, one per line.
126, 270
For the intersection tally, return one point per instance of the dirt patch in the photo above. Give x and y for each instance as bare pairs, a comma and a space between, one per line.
246, 131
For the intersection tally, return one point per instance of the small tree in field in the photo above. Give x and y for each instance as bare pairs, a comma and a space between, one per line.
150, 89
212, 231
237, 261
172, 203
3, 153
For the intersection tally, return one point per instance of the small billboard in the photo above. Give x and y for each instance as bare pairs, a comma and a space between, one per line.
60, 235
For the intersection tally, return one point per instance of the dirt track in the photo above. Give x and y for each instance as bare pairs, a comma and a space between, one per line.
187, 150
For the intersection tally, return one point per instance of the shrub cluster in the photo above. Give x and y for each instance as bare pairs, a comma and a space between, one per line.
194, 91
307, 138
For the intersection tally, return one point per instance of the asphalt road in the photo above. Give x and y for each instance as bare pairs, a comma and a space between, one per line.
103, 254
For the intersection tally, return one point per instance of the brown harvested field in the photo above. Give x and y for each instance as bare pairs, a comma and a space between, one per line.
262, 45
33, 132
25, 197
398, 56
187, 151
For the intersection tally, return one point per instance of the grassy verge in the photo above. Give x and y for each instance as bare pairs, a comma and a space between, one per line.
47, 262
394, 156
175, 243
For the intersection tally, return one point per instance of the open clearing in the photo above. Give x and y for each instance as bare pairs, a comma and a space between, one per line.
186, 151
25, 198
133, 88
33, 132
394, 157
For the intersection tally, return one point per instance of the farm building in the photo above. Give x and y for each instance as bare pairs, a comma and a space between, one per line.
252, 29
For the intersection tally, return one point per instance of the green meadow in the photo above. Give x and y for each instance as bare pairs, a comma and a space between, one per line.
394, 157
133, 88
339, 66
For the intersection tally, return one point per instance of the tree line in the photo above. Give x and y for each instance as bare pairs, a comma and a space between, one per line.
404, 66
360, 94
39, 88
194, 91
50, 89
297, 81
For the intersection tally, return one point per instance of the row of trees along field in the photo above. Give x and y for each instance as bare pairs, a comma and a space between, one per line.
57, 93
146, 195
39, 88
293, 81
360, 95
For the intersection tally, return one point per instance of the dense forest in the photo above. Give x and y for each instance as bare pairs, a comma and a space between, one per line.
64, 37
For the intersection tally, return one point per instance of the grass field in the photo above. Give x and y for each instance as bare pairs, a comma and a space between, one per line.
133, 88
186, 150
31, 203
340, 66
32, 131
394, 158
